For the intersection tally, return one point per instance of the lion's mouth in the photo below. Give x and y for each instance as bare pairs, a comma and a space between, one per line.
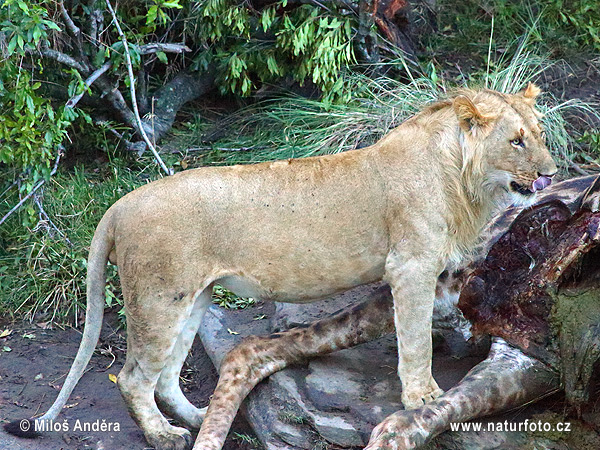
521, 189
542, 182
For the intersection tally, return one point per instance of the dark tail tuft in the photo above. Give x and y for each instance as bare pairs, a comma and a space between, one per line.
24, 428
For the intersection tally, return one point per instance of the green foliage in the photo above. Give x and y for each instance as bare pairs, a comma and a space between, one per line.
247, 47
250, 47
591, 138
250, 441
30, 125
580, 20
157, 12
228, 300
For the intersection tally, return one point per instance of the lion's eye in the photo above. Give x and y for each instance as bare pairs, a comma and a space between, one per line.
518, 142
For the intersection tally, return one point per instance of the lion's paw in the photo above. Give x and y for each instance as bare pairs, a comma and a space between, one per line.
415, 398
397, 432
174, 439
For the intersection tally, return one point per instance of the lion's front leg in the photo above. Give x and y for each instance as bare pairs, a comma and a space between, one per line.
413, 280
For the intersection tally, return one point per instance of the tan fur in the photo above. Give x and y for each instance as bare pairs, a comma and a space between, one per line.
298, 230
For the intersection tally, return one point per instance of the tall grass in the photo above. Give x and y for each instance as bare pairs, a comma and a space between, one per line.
42, 269
298, 127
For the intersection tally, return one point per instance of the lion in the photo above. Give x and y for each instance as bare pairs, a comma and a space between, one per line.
400, 210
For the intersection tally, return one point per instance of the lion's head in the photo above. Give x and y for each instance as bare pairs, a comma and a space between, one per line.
503, 140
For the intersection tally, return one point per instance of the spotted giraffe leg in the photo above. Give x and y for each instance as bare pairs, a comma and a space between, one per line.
255, 358
506, 379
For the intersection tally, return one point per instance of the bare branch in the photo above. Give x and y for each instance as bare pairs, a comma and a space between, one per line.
71, 27
138, 147
154, 47
112, 93
168, 171
75, 32
93, 77
366, 42
64, 59
35, 188
577, 168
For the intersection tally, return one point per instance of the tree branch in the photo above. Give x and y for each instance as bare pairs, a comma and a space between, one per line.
64, 59
91, 79
168, 171
74, 31
168, 100
147, 49
366, 42
577, 168
71, 27
139, 147
95, 22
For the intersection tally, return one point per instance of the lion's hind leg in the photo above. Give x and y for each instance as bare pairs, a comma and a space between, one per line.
155, 322
169, 396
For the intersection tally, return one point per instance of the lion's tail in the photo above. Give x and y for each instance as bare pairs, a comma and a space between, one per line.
100, 248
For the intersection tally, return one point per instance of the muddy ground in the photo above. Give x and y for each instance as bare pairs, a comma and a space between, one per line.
34, 361
33, 365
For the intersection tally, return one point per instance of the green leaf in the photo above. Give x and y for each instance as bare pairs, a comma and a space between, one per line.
162, 57
12, 44
30, 104
272, 65
51, 25
172, 4
23, 6
151, 14
37, 33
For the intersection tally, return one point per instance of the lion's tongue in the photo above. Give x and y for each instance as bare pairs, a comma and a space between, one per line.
541, 183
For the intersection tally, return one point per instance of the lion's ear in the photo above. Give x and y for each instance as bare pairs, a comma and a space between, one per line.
470, 118
530, 93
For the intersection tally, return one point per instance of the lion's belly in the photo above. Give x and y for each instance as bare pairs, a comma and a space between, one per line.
300, 281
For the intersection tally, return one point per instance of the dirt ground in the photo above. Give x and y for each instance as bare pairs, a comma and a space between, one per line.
34, 362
